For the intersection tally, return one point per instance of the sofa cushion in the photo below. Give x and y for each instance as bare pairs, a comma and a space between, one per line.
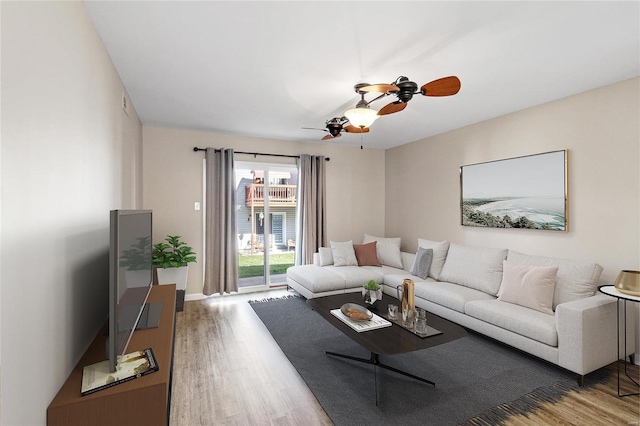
449, 295
366, 254
475, 267
387, 270
518, 319
394, 279
528, 286
440, 249
575, 279
343, 253
422, 263
356, 276
387, 249
326, 258
316, 279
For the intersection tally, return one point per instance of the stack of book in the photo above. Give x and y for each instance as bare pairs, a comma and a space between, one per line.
97, 376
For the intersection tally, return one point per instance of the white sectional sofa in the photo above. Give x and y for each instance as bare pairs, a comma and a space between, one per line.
574, 328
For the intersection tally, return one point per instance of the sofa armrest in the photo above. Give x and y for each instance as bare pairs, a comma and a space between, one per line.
587, 338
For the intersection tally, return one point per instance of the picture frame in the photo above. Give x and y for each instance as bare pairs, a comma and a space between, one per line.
528, 192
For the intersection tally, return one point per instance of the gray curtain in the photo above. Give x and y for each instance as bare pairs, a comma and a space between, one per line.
221, 267
311, 213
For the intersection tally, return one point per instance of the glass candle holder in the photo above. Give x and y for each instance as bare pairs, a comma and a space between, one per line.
393, 311
421, 321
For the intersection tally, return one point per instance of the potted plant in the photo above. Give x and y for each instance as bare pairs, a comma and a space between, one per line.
171, 261
371, 293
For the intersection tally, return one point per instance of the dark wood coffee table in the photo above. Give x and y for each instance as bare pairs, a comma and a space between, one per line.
388, 340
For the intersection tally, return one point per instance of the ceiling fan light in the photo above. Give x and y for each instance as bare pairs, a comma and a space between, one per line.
361, 117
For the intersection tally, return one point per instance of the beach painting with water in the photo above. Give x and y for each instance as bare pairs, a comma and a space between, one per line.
524, 192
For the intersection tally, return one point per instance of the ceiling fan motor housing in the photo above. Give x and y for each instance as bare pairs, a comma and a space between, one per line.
407, 89
334, 128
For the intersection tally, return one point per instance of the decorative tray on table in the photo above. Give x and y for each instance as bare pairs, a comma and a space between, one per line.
430, 330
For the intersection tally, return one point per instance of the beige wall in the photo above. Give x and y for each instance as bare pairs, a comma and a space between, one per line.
600, 128
173, 183
69, 155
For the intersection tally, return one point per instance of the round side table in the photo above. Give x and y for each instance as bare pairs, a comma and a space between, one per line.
612, 291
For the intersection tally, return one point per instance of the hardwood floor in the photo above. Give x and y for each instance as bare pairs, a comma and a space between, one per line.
595, 405
228, 370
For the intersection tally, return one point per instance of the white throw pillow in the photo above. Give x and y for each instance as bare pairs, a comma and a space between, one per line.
440, 249
343, 253
528, 286
326, 258
576, 279
387, 250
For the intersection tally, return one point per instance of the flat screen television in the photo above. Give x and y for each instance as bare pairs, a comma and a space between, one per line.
130, 279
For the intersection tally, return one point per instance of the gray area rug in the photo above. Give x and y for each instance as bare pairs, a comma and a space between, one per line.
478, 381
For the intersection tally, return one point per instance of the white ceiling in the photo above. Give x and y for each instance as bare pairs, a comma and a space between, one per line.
266, 69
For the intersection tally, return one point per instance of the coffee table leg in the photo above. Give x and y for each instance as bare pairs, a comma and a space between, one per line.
404, 373
375, 360
355, 358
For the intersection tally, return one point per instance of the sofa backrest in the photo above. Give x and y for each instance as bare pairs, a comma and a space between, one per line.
575, 279
475, 267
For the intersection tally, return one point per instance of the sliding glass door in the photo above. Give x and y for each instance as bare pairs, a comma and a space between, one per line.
265, 219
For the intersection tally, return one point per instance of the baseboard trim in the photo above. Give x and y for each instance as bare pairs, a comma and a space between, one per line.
246, 290
194, 296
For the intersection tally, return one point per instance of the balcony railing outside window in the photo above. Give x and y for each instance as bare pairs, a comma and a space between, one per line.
279, 195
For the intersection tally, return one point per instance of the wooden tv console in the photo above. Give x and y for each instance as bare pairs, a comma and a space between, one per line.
142, 401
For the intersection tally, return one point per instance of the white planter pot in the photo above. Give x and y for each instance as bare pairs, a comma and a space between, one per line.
371, 297
177, 276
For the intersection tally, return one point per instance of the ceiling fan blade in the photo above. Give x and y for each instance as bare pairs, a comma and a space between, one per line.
445, 86
354, 129
314, 128
326, 138
380, 88
396, 106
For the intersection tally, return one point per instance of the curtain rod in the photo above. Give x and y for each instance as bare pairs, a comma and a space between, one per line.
196, 149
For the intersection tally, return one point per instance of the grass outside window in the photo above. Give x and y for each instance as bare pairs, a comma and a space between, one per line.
253, 265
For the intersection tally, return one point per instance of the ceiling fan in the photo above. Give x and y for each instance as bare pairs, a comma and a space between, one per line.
403, 89
362, 116
336, 125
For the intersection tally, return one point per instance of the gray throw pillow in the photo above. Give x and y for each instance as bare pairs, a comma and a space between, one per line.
422, 264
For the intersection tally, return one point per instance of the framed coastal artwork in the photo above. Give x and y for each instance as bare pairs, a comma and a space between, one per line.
527, 192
